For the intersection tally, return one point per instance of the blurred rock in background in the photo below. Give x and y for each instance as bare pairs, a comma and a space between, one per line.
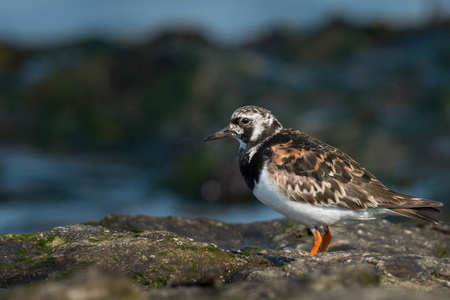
380, 93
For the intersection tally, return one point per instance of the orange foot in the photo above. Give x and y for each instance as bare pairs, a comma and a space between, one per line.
325, 241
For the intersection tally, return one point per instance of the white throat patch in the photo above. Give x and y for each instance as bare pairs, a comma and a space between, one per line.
258, 128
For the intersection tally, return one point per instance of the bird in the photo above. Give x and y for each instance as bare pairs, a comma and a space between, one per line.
309, 181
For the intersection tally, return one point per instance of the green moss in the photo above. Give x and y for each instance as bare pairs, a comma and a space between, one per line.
142, 279
95, 241
193, 268
22, 237
251, 251
444, 252
214, 250
145, 280
24, 251
115, 258
40, 242
36, 247
104, 222
25, 259
292, 224
163, 254
159, 282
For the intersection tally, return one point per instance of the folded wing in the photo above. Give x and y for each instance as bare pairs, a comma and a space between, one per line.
316, 173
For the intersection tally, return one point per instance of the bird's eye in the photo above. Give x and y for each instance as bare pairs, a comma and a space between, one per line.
245, 121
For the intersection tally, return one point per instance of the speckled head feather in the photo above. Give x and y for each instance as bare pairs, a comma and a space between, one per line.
250, 125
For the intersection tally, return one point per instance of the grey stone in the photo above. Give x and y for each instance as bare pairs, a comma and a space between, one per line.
180, 258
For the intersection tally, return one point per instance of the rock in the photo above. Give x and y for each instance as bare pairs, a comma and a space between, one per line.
382, 237
275, 234
174, 258
151, 258
87, 284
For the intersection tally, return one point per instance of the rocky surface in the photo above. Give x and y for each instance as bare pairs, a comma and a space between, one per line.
140, 257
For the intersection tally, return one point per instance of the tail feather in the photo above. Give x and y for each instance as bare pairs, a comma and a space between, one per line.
416, 213
404, 201
433, 209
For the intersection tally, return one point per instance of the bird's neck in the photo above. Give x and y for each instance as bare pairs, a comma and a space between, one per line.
249, 149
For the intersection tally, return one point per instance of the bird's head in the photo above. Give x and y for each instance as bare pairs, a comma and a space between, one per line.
249, 125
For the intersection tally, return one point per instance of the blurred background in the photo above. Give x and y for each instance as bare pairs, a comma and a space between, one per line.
104, 104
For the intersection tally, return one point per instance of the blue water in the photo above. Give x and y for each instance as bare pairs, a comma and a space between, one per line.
39, 22
43, 191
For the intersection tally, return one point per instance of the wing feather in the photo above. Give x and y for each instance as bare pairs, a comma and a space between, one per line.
316, 173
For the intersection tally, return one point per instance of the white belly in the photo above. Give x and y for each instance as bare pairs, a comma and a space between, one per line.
308, 214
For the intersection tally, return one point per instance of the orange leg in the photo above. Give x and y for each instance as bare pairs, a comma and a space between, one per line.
317, 241
326, 240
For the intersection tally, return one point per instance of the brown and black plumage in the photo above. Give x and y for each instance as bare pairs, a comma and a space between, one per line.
316, 173
309, 181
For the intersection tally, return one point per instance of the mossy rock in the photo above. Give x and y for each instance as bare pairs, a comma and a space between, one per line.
271, 258
157, 258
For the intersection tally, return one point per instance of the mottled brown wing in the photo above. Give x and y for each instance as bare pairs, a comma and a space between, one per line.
316, 173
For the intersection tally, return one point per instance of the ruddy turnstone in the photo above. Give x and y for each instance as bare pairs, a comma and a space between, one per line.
309, 181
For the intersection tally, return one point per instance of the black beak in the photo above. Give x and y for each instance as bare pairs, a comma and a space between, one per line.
219, 134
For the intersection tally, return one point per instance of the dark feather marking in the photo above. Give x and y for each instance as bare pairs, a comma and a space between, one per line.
250, 170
